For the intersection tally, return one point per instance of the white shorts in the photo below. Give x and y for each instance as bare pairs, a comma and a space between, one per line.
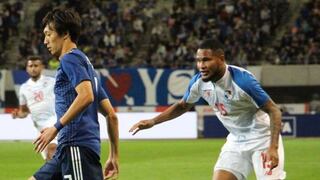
240, 161
45, 124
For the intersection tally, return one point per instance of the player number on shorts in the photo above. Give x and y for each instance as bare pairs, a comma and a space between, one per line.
68, 177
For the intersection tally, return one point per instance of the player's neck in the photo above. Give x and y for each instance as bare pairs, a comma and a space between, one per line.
67, 46
35, 79
220, 74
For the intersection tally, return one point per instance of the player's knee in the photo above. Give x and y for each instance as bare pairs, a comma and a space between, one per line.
31, 178
222, 174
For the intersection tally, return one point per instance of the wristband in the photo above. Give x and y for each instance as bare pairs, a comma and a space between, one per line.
58, 125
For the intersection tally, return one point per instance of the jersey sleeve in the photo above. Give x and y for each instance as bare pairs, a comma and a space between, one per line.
102, 94
22, 97
256, 92
75, 69
248, 83
192, 94
52, 80
253, 88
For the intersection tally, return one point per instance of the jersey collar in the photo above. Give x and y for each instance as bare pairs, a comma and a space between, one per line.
223, 82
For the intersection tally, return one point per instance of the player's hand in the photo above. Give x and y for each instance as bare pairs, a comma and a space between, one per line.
144, 124
270, 159
14, 113
111, 169
46, 136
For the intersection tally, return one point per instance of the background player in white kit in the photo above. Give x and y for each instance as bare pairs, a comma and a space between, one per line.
36, 97
243, 107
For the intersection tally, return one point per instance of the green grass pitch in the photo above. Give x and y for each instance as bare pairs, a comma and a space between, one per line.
166, 159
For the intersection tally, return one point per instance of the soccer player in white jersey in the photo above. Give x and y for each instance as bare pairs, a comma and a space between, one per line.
244, 108
36, 97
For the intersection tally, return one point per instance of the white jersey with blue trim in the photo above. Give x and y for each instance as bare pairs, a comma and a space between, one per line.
236, 99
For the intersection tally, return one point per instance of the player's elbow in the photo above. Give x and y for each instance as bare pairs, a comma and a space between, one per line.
112, 118
271, 108
86, 98
90, 98
276, 110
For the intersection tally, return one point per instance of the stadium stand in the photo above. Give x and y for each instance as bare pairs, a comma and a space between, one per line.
11, 14
147, 34
300, 44
164, 34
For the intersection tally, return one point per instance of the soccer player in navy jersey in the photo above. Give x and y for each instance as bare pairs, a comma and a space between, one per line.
79, 94
243, 107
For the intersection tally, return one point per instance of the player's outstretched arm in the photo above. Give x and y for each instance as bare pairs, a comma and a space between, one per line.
172, 112
270, 157
21, 112
111, 169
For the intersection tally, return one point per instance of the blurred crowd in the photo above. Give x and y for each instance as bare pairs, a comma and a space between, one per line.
11, 14
245, 27
109, 37
300, 44
144, 33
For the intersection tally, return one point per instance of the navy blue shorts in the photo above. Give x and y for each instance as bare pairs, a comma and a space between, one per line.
74, 163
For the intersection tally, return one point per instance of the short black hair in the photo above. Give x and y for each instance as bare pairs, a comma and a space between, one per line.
34, 58
212, 44
64, 21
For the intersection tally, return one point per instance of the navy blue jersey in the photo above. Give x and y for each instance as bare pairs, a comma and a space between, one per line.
83, 130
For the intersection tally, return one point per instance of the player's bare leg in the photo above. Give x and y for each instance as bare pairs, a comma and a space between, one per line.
51, 149
32, 178
222, 174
